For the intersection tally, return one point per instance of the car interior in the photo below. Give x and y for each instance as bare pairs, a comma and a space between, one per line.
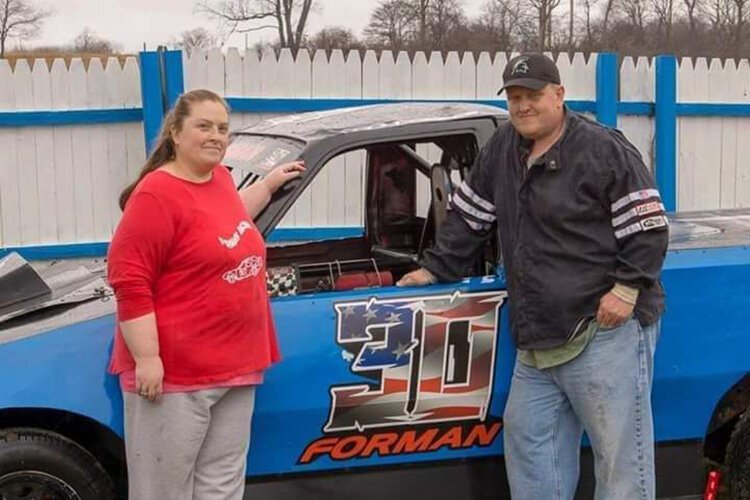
396, 229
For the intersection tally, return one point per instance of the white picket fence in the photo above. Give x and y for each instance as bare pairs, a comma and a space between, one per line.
714, 153
60, 184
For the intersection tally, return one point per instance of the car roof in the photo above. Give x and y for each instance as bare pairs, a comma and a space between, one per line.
323, 124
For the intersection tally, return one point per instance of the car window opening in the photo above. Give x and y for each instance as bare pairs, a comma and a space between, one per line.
406, 197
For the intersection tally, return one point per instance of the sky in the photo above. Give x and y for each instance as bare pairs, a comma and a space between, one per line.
131, 23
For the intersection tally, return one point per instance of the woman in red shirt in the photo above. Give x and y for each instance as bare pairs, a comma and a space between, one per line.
195, 330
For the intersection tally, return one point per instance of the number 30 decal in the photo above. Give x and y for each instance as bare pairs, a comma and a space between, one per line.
428, 359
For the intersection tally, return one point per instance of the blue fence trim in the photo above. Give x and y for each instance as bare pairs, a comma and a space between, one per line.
712, 109
99, 249
665, 164
69, 117
635, 108
607, 88
151, 93
175, 76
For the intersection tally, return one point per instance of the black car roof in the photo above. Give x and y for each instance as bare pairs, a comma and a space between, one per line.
323, 124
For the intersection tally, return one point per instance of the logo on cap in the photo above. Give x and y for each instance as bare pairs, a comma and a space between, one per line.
521, 66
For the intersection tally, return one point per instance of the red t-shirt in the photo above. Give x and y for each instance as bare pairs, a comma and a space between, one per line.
190, 253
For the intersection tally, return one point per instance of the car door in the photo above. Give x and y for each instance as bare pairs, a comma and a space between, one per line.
374, 374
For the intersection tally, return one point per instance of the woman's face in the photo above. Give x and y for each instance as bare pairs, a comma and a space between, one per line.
203, 138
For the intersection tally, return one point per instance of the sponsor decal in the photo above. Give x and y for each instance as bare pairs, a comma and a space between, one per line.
631, 229
638, 211
427, 369
649, 208
401, 442
654, 222
641, 194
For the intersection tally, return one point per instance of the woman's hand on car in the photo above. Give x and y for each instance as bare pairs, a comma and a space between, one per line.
284, 173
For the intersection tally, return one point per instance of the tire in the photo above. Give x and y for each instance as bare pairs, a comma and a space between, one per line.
738, 459
40, 464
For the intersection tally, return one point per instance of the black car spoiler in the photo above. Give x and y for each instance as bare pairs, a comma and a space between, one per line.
25, 289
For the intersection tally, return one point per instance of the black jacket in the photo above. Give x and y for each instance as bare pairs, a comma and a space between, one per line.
584, 216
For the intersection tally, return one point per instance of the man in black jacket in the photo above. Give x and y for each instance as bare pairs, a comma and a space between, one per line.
583, 235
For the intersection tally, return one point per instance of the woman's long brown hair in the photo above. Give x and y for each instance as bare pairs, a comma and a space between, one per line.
164, 150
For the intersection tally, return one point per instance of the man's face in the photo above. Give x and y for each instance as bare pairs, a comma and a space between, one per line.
536, 114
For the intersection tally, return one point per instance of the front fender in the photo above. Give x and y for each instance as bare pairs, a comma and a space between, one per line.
64, 368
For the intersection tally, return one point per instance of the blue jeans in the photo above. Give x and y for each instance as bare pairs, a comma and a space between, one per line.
605, 391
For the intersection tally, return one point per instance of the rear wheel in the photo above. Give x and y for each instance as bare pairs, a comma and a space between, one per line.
738, 459
43, 465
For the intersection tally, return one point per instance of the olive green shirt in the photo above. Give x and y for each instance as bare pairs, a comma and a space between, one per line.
548, 358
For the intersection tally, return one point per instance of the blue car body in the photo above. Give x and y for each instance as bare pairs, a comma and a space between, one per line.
382, 376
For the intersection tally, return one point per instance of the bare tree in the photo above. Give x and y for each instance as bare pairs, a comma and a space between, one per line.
288, 17
635, 12
445, 18
421, 8
333, 37
739, 20
588, 4
543, 9
715, 28
715, 11
691, 8
19, 19
503, 25
195, 39
501, 18
721, 21
664, 10
392, 24
609, 7
89, 42
572, 8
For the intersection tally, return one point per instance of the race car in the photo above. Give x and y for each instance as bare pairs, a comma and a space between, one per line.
392, 391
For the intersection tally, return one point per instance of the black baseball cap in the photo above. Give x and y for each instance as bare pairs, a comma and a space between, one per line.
533, 71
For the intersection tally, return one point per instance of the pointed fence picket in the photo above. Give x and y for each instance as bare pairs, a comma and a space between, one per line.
698, 141
10, 198
82, 177
26, 159
487, 84
637, 85
63, 201
742, 94
134, 150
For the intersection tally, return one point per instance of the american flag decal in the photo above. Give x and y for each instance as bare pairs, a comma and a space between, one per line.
424, 359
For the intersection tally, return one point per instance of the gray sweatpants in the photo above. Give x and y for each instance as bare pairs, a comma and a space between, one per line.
188, 445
